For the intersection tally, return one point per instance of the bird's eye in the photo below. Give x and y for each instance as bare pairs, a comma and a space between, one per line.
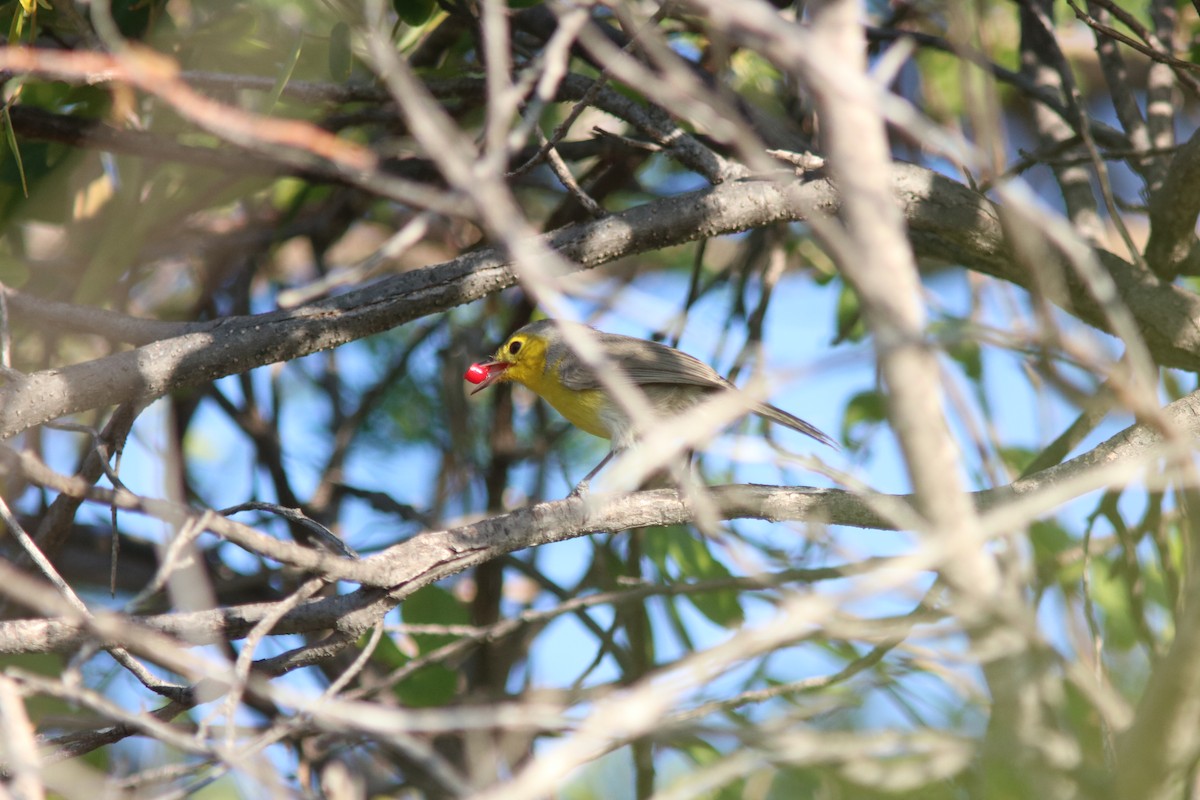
514, 347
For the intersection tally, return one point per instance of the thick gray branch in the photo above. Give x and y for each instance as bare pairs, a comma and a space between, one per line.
947, 222
1173, 210
434, 555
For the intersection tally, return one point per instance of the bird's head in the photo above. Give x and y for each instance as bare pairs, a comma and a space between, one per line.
522, 357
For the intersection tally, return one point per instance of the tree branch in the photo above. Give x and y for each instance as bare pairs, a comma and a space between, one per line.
434, 555
1172, 248
946, 220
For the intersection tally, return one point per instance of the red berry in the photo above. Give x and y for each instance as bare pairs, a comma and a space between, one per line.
476, 373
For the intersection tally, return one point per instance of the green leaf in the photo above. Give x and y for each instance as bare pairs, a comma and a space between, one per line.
796, 782
1017, 458
11, 137
1084, 724
1111, 595
414, 12
285, 76
341, 57
704, 754
849, 317
430, 686
14, 272
969, 355
387, 654
1050, 541
867, 407
695, 562
435, 684
433, 605
15, 26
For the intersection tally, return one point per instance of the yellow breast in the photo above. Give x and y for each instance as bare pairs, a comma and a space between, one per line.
586, 409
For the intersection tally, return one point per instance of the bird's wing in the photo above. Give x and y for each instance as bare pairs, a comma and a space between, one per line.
641, 362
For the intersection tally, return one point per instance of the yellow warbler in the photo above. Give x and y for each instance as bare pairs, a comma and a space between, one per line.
538, 357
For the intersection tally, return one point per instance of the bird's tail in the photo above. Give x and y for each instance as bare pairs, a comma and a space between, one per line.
782, 417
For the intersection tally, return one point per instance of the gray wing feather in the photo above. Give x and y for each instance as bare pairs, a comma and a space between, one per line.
651, 362
639, 361
644, 362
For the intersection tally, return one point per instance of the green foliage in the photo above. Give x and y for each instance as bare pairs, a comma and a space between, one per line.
285, 74
14, 272
1051, 542
679, 551
38, 161
134, 18
1110, 594
14, 149
967, 352
41, 707
212, 225
865, 411
792, 782
703, 754
341, 57
849, 317
414, 12
434, 684
1017, 458
758, 80
940, 84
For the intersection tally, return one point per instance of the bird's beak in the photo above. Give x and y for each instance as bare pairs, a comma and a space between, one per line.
494, 370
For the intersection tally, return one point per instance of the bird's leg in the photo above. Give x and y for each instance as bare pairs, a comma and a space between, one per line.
582, 487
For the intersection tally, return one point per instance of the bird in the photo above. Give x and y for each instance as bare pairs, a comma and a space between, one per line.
538, 357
